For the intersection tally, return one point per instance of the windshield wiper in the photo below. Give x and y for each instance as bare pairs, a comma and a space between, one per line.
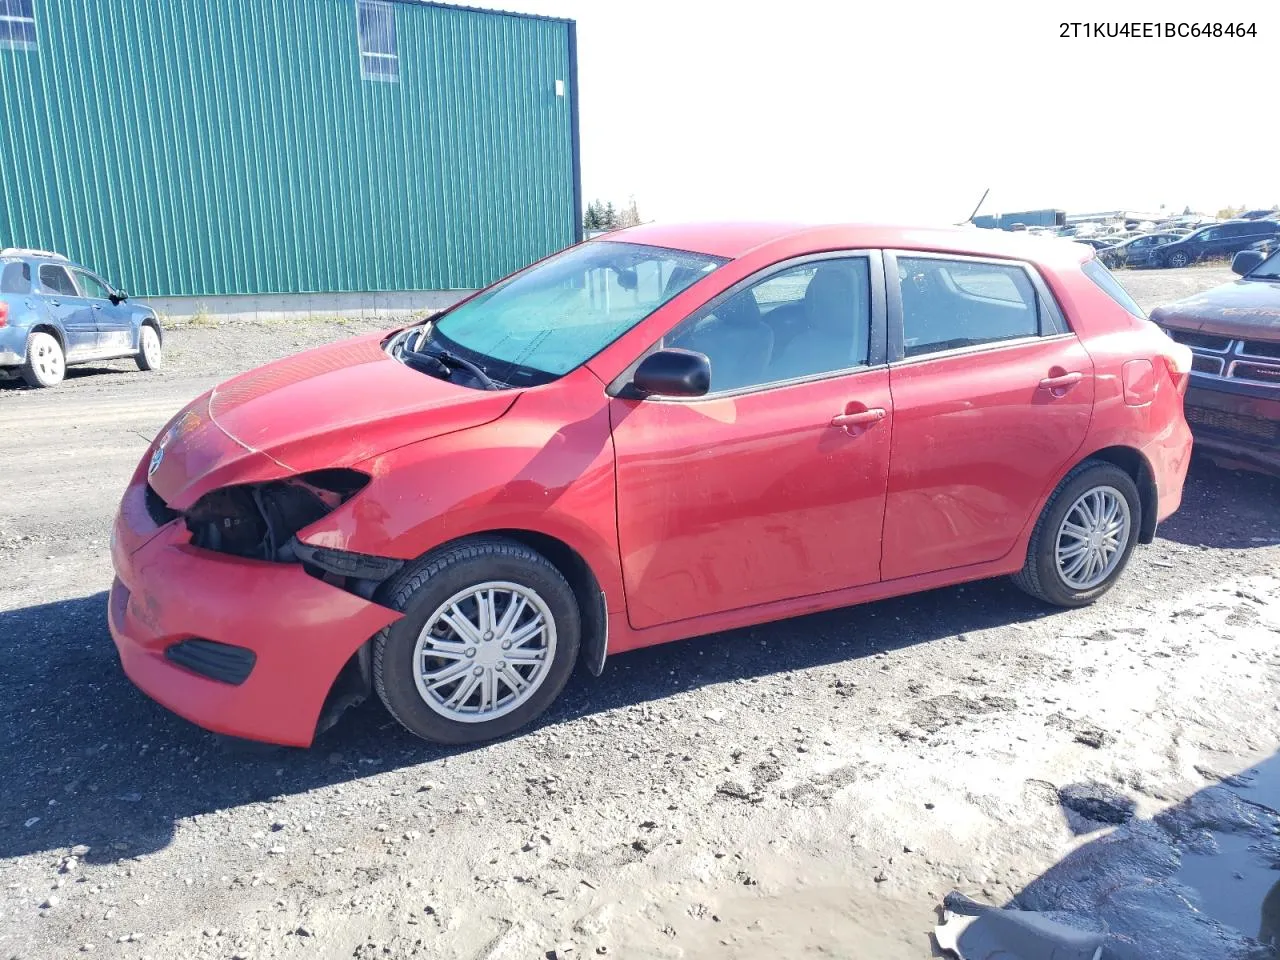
453, 360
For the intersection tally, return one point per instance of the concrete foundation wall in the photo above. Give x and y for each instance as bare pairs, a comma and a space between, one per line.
306, 306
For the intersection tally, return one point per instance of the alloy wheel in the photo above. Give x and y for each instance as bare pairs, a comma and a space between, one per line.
485, 651
1092, 538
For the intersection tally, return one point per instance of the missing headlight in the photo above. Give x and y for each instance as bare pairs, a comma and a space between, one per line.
258, 520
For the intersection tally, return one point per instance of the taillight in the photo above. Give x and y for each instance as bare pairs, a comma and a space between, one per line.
1177, 357
4, 314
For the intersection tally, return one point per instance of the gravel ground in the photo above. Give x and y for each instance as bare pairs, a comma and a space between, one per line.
793, 789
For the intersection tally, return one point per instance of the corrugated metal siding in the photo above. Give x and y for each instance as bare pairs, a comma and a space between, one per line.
187, 148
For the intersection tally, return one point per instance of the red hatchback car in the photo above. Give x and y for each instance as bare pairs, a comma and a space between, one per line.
661, 432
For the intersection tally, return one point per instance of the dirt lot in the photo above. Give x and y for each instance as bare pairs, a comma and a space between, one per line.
809, 788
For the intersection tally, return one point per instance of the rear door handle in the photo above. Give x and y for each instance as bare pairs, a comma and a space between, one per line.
862, 418
1066, 380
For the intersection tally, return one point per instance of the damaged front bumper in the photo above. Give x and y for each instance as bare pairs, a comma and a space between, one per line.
1236, 422
243, 647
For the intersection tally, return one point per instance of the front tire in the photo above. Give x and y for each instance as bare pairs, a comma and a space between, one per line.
489, 637
1177, 260
46, 364
150, 355
1084, 537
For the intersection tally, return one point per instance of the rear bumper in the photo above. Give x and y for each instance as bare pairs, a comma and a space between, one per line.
1236, 422
301, 631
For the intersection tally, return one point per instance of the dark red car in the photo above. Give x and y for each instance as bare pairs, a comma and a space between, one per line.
662, 432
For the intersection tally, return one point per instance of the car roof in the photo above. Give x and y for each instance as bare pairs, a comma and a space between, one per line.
33, 254
733, 239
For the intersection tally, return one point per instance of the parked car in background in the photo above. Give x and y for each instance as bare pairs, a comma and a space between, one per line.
1233, 403
1267, 246
1219, 240
1097, 243
1272, 214
667, 431
1136, 251
54, 313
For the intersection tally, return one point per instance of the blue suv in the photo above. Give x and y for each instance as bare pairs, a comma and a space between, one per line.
54, 313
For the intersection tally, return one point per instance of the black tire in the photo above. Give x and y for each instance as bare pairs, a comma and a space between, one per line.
428, 583
1177, 259
150, 354
46, 365
1041, 576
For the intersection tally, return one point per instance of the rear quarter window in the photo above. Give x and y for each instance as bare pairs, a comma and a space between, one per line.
1108, 284
15, 276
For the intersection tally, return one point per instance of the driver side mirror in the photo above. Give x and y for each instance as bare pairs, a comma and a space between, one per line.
119, 297
673, 373
1245, 261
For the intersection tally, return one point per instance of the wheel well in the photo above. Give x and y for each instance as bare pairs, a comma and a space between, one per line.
585, 586
154, 324
1135, 465
53, 332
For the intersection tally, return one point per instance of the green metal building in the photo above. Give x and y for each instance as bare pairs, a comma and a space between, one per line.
189, 148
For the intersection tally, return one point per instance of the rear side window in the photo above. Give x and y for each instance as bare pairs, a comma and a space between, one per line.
1100, 275
15, 277
57, 280
949, 304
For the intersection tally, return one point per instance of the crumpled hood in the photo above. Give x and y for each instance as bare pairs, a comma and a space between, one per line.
1242, 309
333, 406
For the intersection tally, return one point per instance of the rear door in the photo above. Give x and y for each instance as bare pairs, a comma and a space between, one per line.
67, 308
114, 324
992, 396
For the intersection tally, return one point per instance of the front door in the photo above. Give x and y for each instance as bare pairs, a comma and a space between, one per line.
992, 396
69, 310
771, 486
114, 324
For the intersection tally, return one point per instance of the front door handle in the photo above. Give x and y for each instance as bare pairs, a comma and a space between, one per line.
56, 303
97, 306
1062, 381
862, 418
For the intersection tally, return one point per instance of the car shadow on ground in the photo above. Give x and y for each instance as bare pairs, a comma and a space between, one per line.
1235, 509
88, 759
1197, 880
72, 374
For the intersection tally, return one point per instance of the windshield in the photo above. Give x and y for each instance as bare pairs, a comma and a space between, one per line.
558, 314
1268, 269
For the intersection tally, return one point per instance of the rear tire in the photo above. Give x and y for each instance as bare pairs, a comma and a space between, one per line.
46, 364
1071, 559
509, 658
150, 355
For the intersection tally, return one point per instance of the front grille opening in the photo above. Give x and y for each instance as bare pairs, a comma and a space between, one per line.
1260, 372
1232, 424
158, 510
217, 661
1202, 341
1203, 364
1261, 348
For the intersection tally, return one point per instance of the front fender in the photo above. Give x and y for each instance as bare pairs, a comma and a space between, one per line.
546, 467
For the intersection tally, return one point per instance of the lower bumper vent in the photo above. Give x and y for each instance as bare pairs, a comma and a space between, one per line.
217, 661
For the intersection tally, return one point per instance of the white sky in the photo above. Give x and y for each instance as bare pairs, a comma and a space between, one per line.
902, 110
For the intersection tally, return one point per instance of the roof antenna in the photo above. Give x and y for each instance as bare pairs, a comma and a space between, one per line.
977, 208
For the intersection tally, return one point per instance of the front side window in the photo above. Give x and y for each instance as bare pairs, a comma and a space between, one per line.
92, 287
15, 276
379, 52
556, 315
17, 24
950, 304
805, 321
1268, 269
1207, 235
57, 280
